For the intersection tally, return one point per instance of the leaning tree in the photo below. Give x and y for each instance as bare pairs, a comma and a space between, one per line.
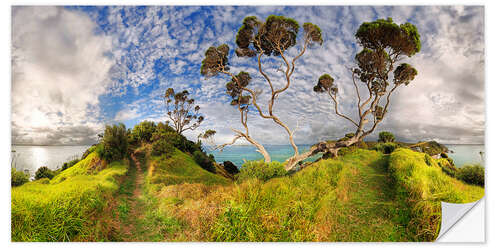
256, 39
384, 44
182, 111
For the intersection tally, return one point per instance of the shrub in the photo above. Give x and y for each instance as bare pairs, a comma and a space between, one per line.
18, 178
143, 131
162, 147
114, 143
204, 161
386, 137
44, 172
386, 148
261, 170
69, 164
230, 167
472, 174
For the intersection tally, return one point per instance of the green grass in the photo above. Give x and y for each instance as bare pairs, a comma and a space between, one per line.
180, 168
347, 199
422, 185
62, 209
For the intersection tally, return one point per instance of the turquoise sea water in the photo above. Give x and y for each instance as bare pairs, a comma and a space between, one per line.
466, 154
463, 154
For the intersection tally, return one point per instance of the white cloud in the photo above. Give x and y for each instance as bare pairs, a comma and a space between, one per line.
58, 72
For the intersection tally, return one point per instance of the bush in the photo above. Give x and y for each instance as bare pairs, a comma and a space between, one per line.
230, 167
386, 148
261, 170
386, 137
206, 162
162, 147
69, 164
44, 172
114, 143
472, 174
143, 131
18, 178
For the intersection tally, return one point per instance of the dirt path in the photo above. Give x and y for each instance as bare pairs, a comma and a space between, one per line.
128, 205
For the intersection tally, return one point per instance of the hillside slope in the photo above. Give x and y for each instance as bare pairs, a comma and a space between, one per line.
61, 209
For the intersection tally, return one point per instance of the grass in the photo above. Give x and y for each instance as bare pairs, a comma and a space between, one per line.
363, 195
61, 210
422, 185
180, 168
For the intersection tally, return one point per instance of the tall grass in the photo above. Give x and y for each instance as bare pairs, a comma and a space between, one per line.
61, 210
423, 185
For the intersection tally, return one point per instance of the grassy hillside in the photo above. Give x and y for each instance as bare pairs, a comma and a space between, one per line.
63, 208
422, 185
364, 195
180, 168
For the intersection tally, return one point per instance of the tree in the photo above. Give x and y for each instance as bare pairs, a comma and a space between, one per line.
44, 172
256, 39
114, 144
385, 136
144, 131
182, 111
384, 44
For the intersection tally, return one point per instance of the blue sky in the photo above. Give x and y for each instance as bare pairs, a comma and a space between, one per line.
84, 67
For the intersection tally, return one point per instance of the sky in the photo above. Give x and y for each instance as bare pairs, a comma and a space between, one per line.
76, 69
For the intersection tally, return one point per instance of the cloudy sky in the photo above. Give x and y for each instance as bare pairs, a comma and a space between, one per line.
75, 69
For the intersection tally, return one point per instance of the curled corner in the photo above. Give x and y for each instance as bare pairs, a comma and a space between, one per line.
451, 213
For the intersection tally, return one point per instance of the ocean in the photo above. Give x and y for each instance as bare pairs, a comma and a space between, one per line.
30, 158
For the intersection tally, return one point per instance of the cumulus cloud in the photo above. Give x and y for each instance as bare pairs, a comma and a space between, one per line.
135, 53
59, 69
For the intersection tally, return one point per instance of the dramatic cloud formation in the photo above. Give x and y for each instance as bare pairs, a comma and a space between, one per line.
75, 69
59, 70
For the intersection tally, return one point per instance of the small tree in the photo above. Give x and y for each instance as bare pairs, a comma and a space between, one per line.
182, 111
144, 131
255, 39
114, 143
385, 136
384, 44
44, 172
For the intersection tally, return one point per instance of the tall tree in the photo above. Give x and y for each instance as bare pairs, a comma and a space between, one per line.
182, 111
384, 44
255, 39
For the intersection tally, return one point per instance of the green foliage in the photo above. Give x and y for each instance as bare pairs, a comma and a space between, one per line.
382, 34
18, 178
114, 143
432, 148
325, 84
162, 147
261, 170
422, 186
69, 164
143, 131
386, 148
472, 174
386, 137
44, 172
204, 161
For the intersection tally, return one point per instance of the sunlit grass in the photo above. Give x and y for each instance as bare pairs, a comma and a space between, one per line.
422, 184
60, 210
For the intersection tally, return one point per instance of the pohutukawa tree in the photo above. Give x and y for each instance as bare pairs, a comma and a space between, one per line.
384, 44
182, 111
255, 39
